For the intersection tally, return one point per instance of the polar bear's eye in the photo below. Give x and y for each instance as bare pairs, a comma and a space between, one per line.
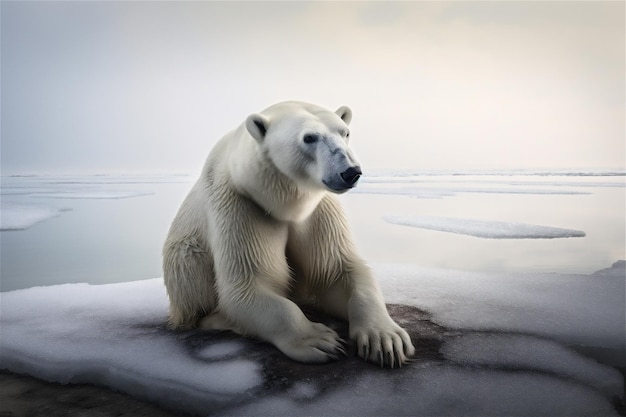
310, 138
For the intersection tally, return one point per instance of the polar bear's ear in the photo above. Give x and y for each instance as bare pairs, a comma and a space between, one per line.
257, 126
345, 113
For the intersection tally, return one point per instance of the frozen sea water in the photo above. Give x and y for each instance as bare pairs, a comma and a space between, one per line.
520, 351
20, 217
497, 358
22, 197
97, 229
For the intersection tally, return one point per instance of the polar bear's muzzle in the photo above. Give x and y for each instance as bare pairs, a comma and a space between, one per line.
351, 175
344, 180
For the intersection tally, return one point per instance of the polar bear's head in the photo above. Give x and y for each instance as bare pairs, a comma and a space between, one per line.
308, 144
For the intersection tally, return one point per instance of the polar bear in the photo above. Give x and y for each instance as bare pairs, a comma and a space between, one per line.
261, 232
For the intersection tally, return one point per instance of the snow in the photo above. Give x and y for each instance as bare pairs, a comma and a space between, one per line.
583, 310
445, 391
220, 350
112, 335
508, 348
20, 216
532, 353
484, 228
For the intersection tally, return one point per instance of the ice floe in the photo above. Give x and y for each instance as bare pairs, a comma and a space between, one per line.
84, 187
20, 217
502, 346
437, 184
22, 196
484, 228
586, 310
98, 194
446, 191
518, 351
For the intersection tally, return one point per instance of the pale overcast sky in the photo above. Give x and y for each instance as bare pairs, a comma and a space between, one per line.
151, 86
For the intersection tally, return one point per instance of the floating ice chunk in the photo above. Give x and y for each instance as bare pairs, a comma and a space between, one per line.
421, 192
93, 194
445, 191
512, 185
114, 335
77, 179
484, 228
534, 354
20, 217
22, 191
496, 172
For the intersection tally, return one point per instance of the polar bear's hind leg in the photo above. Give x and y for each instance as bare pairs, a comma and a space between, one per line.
189, 279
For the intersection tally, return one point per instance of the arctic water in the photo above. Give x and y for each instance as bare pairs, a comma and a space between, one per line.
110, 228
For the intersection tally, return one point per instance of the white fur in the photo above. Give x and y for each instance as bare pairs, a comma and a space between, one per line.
260, 233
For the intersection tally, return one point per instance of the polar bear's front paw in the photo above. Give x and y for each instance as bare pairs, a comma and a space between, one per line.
317, 344
386, 343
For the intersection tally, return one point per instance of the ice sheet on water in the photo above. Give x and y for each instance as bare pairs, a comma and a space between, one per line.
21, 216
33, 180
82, 187
586, 310
416, 192
517, 182
452, 190
22, 195
532, 353
96, 194
619, 172
441, 390
484, 228
437, 184
114, 335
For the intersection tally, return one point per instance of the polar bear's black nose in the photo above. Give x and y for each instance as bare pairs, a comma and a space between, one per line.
351, 175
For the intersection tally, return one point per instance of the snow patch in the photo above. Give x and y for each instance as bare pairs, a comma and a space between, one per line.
220, 350
518, 364
585, 310
444, 391
113, 335
531, 353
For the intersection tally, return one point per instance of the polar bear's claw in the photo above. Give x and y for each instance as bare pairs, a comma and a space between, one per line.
319, 344
388, 347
